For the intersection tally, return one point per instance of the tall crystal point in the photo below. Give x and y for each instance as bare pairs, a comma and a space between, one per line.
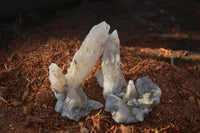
113, 80
57, 79
88, 54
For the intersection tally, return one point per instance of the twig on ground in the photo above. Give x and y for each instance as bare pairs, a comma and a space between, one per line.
2, 99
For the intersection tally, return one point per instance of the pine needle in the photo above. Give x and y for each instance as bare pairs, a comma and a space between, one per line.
2, 99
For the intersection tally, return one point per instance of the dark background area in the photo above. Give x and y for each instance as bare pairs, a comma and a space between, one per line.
10, 9
161, 23
16, 15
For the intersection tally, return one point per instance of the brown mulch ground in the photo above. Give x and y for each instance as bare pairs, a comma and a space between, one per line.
31, 102
149, 42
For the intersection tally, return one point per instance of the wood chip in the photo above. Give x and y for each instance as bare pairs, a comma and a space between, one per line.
125, 129
36, 119
25, 95
192, 99
84, 130
16, 103
27, 121
198, 102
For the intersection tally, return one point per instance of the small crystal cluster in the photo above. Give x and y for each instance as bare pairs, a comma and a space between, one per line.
125, 101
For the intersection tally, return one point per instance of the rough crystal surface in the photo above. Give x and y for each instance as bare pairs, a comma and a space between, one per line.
71, 100
111, 77
126, 102
87, 55
58, 85
57, 79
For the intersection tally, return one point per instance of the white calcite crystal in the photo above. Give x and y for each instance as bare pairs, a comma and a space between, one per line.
126, 102
71, 100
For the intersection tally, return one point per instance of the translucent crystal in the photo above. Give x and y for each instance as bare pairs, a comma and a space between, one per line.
127, 103
119, 110
111, 77
72, 101
58, 85
148, 91
131, 91
87, 55
57, 79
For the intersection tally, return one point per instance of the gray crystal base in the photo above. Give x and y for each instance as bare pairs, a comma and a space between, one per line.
74, 108
133, 102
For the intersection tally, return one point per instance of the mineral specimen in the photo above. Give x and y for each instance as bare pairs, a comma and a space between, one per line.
127, 103
71, 100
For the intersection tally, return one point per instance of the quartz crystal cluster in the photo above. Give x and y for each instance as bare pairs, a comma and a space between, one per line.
127, 102
71, 100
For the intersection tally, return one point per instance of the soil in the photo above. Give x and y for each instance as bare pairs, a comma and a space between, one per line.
158, 38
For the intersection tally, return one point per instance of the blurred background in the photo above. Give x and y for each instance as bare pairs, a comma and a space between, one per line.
168, 24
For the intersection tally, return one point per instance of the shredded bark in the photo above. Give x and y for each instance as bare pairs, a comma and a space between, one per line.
31, 101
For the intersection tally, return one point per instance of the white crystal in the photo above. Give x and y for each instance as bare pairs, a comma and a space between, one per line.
113, 79
120, 112
149, 92
131, 91
87, 55
57, 79
139, 114
99, 75
58, 85
60, 100
72, 101
126, 103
